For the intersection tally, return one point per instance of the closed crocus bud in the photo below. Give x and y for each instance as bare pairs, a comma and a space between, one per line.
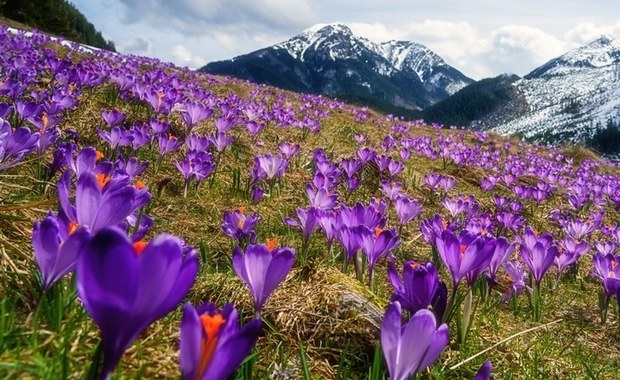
125, 286
262, 268
414, 347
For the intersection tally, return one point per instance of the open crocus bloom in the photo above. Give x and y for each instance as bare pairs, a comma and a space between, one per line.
212, 344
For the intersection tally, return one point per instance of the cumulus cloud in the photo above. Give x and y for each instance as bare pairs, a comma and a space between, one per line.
585, 32
184, 57
510, 48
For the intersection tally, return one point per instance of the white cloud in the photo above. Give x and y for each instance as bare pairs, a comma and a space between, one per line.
184, 57
587, 31
137, 46
191, 17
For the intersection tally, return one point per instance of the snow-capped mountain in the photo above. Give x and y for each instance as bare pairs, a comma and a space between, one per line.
571, 98
330, 59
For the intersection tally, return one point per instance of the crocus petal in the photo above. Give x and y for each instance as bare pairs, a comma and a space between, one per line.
87, 199
190, 342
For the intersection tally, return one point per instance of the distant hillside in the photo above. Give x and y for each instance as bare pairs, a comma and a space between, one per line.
475, 102
56, 17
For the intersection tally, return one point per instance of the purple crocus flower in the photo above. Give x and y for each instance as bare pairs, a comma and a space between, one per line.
100, 201
55, 247
321, 199
431, 180
383, 162
376, 244
447, 183
414, 347
262, 268
307, 221
212, 344
15, 144
395, 168
569, 251
502, 252
126, 286
272, 165
464, 255
221, 140
537, 253
167, 144
288, 150
419, 289
239, 226
607, 269
484, 373
194, 113
517, 275
113, 117
391, 190
349, 239
407, 209
365, 155
117, 137
350, 167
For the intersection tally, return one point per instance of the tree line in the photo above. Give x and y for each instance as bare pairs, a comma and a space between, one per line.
57, 17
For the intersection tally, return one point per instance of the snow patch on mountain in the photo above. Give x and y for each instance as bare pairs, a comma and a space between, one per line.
389, 57
570, 96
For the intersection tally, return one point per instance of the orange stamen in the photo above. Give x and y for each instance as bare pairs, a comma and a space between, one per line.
211, 325
140, 185
139, 246
73, 226
271, 244
463, 249
103, 179
414, 265
378, 231
99, 155
241, 210
241, 222
160, 97
444, 224
170, 136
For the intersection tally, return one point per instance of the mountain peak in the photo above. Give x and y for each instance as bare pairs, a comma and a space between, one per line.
330, 59
602, 52
328, 29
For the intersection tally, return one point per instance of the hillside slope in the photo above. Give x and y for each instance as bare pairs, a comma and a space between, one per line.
130, 187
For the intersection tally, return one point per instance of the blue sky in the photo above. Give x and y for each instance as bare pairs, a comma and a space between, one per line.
481, 38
